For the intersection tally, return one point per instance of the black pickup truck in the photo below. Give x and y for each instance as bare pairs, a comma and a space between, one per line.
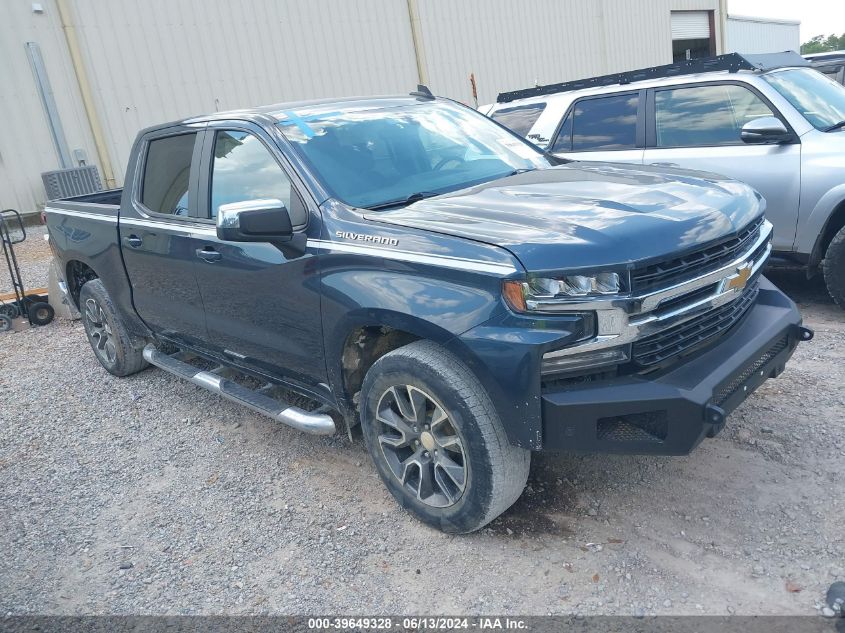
409, 264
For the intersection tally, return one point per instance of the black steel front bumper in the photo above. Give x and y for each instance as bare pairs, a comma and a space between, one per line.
670, 413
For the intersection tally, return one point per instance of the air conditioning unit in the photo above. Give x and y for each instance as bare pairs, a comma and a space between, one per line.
75, 181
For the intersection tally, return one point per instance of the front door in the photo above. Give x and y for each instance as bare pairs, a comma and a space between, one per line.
698, 127
157, 235
262, 306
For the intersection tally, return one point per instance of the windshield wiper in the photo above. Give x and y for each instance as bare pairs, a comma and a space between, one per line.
835, 126
401, 202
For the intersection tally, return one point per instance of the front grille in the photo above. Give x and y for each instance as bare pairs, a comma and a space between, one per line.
730, 388
685, 337
700, 262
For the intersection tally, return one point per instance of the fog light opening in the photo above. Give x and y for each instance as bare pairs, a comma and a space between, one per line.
558, 362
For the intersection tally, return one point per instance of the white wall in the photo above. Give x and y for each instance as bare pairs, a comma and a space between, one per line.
513, 44
151, 61
26, 147
759, 35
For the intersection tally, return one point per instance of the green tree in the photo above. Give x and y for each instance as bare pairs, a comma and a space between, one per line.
822, 44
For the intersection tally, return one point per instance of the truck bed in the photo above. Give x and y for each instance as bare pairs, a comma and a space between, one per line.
107, 197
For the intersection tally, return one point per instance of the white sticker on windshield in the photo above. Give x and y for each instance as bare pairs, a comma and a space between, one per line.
518, 147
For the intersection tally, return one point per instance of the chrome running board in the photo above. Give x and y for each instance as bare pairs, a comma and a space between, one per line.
216, 382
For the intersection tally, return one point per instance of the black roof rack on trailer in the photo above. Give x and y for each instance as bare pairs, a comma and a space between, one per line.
732, 62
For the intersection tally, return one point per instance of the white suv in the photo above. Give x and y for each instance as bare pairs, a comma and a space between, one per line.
767, 120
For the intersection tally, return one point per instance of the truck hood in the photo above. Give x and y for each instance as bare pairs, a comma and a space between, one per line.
588, 215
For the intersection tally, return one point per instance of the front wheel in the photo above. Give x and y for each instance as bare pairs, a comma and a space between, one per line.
109, 338
833, 267
437, 441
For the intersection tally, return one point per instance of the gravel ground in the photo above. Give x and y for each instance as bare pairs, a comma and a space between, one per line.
148, 495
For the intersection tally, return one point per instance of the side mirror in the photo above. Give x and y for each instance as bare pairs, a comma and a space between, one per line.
766, 130
254, 221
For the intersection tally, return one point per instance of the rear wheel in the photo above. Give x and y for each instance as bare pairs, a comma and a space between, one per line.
437, 441
5, 323
107, 335
833, 267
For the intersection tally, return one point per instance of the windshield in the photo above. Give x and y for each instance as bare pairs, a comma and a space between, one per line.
370, 156
819, 99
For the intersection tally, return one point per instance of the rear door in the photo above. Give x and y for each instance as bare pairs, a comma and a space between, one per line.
262, 306
698, 127
157, 233
605, 128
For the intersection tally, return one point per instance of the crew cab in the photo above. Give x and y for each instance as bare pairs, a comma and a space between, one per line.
407, 264
768, 120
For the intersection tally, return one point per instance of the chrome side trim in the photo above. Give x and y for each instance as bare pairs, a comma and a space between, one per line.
206, 230
445, 261
623, 320
184, 229
82, 214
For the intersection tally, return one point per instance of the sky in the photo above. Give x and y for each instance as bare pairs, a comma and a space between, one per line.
817, 16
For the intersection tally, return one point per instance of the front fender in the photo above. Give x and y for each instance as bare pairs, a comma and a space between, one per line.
422, 301
811, 229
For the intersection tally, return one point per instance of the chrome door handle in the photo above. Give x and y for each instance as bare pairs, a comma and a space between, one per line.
665, 165
133, 240
208, 254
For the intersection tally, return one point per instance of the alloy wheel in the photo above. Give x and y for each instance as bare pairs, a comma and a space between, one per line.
100, 330
421, 445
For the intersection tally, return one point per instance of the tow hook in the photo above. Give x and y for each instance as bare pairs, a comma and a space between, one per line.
715, 417
804, 333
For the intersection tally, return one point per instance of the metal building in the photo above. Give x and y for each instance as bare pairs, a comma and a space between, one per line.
761, 35
80, 77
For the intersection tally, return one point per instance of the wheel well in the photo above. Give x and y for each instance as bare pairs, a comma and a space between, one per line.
77, 274
363, 347
834, 224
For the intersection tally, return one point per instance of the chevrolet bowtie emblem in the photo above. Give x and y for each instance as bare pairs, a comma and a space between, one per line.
737, 282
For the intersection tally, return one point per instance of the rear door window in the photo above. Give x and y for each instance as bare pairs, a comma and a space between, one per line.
167, 173
701, 116
604, 123
520, 119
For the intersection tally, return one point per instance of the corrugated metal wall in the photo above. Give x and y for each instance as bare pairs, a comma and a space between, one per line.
750, 35
26, 147
156, 60
511, 45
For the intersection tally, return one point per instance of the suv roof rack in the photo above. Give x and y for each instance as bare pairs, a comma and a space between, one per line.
732, 62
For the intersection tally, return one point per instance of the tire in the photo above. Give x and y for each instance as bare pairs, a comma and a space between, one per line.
415, 465
10, 310
5, 323
833, 268
107, 335
40, 313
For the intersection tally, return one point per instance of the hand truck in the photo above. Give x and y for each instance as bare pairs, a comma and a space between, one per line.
33, 307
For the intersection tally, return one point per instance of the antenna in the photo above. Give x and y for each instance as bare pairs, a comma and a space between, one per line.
422, 92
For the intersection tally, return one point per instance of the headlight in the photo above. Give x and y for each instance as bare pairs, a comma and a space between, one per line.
524, 296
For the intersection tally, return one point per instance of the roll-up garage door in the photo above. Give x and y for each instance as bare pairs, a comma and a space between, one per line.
690, 25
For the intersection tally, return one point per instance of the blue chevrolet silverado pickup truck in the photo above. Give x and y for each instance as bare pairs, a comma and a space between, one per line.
408, 264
